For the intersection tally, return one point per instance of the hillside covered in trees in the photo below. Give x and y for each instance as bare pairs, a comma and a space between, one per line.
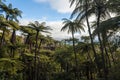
32, 55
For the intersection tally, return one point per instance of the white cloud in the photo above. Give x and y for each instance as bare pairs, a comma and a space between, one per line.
56, 32
62, 6
56, 26
27, 21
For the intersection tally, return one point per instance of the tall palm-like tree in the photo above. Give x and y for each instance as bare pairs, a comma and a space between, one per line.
28, 32
38, 27
84, 9
106, 28
73, 27
11, 13
101, 9
14, 26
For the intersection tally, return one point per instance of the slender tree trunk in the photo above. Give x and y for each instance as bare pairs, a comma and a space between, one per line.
27, 39
107, 55
113, 60
76, 64
35, 63
91, 38
13, 37
40, 44
7, 17
101, 45
13, 41
89, 30
106, 51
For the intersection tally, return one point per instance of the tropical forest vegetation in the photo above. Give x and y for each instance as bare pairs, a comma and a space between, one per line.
32, 55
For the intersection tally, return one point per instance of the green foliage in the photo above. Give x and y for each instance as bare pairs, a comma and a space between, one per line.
4, 52
12, 66
48, 53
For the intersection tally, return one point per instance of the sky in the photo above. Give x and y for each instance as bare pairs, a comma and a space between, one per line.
50, 11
